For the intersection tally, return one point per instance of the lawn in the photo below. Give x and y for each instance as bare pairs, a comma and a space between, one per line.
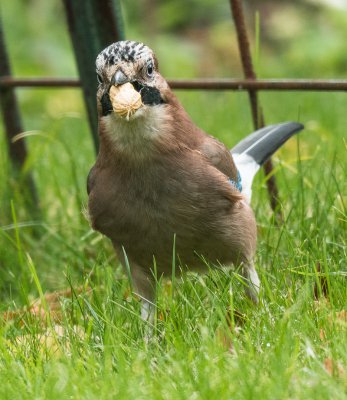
207, 340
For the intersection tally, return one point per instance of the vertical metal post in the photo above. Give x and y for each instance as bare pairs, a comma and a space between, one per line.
93, 24
248, 70
13, 125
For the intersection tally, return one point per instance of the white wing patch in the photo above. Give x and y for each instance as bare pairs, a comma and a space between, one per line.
247, 168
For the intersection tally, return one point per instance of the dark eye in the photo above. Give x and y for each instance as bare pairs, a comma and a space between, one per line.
150, 69
99, 78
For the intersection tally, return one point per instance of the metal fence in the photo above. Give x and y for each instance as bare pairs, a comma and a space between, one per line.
93, 24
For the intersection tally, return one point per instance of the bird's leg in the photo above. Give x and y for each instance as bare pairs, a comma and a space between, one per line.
253, 283
144, 286
147, 310
142, 282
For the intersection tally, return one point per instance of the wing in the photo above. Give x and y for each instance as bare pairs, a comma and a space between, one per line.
218, 156
249, 154
253, 151
90, 179
263, 143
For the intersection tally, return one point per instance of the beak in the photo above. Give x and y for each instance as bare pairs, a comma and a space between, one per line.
119, 78
125, 100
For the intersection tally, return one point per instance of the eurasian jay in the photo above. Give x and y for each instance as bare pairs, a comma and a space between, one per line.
159, 179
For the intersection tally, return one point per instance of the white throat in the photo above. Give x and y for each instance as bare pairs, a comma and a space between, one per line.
138, 135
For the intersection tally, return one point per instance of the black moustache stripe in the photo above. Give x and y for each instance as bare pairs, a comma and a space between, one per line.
106, 105
149, 95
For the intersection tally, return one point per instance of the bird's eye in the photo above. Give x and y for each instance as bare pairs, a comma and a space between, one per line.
150, 69
99, 78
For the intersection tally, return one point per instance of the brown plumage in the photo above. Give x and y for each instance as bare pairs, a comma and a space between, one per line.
157, 176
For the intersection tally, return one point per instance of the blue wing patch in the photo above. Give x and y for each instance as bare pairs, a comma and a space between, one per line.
237, 184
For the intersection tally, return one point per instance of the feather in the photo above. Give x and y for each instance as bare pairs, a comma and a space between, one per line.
257, 148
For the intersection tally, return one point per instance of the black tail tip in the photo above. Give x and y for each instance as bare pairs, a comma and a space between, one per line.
263, 143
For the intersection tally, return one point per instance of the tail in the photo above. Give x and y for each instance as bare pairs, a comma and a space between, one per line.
252, 152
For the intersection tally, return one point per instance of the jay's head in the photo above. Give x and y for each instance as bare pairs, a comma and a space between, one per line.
128, 76
138, 112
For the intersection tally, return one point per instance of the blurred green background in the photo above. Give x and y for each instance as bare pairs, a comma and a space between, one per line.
291, 346
192, 38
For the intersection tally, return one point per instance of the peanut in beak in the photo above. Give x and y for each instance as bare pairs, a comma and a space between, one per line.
125, 100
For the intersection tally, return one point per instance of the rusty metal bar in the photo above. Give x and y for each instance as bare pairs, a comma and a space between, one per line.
246, 60
8, 81
257, 114
261, 84
10, 109
13, 126
320, 85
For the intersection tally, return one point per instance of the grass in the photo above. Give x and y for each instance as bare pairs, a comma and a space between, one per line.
207, 341
92, 344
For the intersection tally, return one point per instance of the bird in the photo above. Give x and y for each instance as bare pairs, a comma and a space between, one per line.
161, 186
